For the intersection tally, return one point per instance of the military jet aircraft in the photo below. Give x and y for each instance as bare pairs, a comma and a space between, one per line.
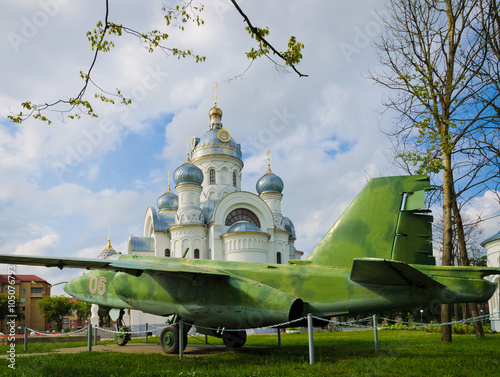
377, 256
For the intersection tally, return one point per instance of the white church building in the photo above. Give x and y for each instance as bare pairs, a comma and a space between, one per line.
210, 217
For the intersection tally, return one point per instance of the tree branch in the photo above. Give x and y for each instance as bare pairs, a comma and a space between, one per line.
260, 38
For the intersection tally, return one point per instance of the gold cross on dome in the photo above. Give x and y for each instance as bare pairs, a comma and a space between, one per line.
215, 94
268, 161
187, 150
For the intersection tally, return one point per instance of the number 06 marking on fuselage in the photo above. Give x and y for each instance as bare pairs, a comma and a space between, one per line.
100, 287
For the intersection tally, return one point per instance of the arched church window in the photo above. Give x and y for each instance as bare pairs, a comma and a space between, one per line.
212, 176
167, 252
242, 214
278, 257
196, 254
234, 179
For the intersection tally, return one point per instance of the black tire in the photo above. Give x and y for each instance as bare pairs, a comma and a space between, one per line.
122, 337
169, 339
234, 339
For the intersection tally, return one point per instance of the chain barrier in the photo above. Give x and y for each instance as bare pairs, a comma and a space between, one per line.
355, 324
467, 320
121, 332
221, 330
411, 324
57, 334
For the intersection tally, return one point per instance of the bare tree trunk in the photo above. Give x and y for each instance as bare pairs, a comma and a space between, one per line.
478, 327
447, 233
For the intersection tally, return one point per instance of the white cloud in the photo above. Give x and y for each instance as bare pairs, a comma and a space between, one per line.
487, 208
41, 246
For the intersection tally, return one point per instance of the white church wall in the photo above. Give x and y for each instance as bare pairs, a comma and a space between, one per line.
138, 319
224, 176
186, 245
493, 252
251, 256
200, 245
148, 223
246, 247
281, 246
215, 243
189, 236
162, 242
273, 200
224, 167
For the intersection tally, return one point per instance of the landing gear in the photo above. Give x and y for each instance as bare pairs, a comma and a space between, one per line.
234, 339
169, 339
169, 336
122, 336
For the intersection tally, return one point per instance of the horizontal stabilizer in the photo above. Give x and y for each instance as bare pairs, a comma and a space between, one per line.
388, 272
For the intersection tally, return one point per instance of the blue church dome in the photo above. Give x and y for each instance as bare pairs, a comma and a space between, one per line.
108, 251
243, 226
269, 182
210, 144
289, 227
188, 173
168, 201
216, 141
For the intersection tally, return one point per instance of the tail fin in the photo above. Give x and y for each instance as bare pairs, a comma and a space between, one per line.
386, 221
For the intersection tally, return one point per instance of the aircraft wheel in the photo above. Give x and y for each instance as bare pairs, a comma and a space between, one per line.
122, 336
234, 339
169, 339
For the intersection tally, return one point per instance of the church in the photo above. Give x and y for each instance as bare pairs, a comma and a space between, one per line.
210, 217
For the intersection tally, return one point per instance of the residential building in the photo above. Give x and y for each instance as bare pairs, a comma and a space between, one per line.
29, 289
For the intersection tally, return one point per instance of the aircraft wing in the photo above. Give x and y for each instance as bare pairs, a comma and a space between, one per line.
131, 266
388, 272
59, 262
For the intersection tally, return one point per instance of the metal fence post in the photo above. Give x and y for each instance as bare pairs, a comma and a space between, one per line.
25, 338
279, 337
375, 332
89, 340
181, 339
311, 342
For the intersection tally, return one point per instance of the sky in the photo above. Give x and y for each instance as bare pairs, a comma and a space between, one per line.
62, 186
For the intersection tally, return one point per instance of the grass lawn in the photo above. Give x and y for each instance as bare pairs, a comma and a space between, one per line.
402, 353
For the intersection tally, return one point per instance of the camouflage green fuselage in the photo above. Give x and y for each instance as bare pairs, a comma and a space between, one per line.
250, 295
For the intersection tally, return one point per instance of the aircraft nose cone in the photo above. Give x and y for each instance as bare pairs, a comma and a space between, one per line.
69, 288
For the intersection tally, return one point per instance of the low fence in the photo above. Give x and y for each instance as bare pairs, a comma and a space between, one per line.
151, 330
52, 339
